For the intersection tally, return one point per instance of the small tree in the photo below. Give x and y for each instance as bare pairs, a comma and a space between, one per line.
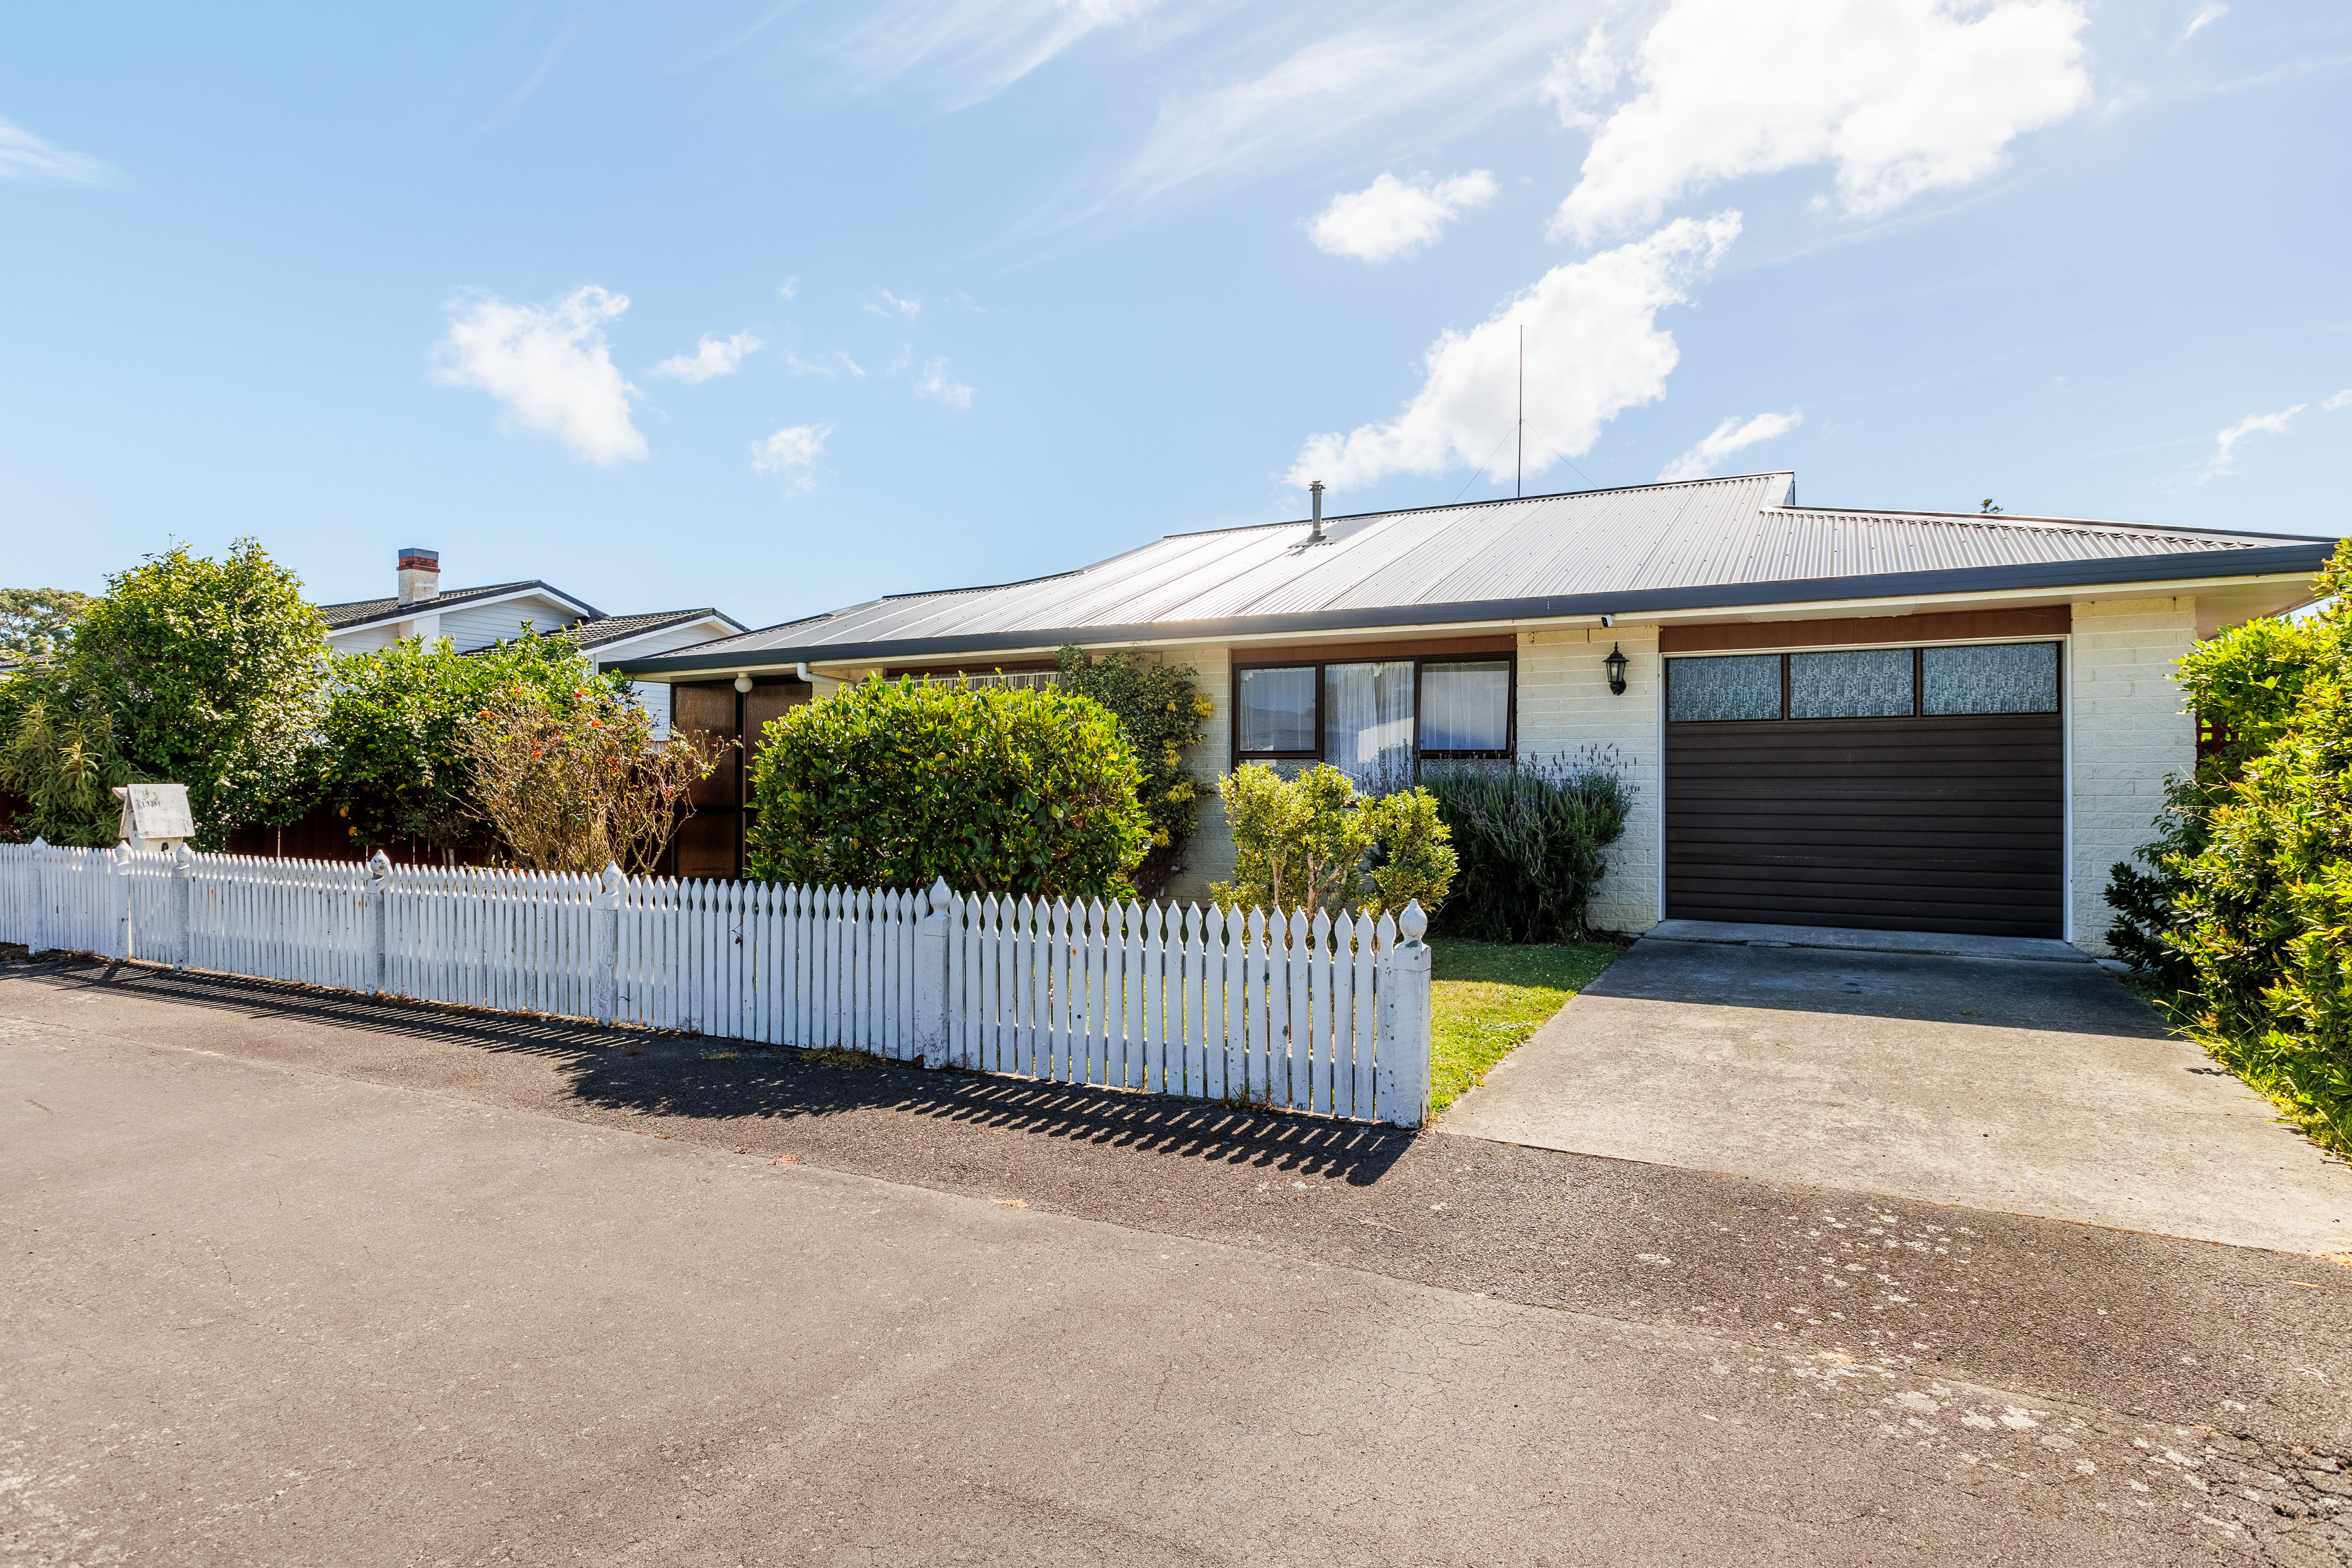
1312, 843
213, 675
576, 781
58, 756
397, 763
1161, 713
997, 790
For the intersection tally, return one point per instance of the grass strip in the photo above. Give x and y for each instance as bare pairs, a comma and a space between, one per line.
1485, 997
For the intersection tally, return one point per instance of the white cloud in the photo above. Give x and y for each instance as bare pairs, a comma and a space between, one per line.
715, 356
820, 367
551, 368
2339, 401
934, 383
789, 288
1901, 96
1593, 350
1726, 438
1577, 81
908, 308
1389, 217
24, 156
793, 446
2225, 445
970, 50
1414, 73
2207, 14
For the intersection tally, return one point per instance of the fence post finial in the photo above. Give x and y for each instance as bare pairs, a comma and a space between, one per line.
933, 1028
1413, 922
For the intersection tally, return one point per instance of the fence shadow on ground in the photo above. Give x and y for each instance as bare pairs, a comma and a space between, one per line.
708, 1078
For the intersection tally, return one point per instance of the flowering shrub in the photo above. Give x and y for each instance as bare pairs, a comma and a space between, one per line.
575, 781
895, 784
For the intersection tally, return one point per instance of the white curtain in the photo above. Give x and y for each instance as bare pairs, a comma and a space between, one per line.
1367, 723
1467, 707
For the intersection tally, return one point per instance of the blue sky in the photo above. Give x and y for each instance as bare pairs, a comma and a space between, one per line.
1031, 283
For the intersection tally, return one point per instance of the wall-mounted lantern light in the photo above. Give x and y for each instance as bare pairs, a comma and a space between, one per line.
1616, 665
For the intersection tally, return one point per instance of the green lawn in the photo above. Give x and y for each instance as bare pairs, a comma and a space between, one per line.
1486, 997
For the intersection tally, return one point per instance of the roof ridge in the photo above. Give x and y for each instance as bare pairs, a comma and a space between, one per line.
1490, 501
2007, 518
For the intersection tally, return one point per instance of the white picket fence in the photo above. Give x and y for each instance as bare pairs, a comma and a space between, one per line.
1313, 1014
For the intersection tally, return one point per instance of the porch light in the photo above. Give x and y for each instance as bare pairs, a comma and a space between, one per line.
1616, 665
744, 683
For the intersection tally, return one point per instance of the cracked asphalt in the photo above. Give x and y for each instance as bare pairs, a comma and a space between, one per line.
420, 1286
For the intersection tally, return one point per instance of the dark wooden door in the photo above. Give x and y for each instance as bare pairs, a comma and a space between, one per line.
1954, 824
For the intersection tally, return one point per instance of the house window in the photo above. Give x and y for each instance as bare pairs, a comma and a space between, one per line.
1374, 720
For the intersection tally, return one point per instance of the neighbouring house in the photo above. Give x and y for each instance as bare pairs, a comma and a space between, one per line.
1832, 716
473, 618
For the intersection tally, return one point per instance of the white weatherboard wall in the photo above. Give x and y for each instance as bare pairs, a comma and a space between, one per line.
1565, 706
2130, 731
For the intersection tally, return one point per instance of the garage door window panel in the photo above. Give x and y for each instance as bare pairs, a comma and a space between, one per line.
1718, 690
1993, 677
1858, 683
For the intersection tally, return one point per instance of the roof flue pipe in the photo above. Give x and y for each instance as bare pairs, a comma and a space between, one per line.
1316, 490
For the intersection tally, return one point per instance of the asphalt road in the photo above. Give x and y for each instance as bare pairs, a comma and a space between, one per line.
304, 1279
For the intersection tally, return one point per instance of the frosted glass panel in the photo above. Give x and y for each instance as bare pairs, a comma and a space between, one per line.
1745, 685
1367, 723
2003, 678
1861, 683
1465, 707
1278, 709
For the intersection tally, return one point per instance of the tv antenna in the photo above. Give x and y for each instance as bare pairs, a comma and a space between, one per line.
1519, 463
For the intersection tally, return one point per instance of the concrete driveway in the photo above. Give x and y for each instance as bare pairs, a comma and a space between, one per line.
2031, 1087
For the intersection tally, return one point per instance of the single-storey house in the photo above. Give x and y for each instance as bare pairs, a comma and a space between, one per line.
1886, 719
474, 618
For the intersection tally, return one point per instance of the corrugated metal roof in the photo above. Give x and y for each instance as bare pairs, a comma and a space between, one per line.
1667, 539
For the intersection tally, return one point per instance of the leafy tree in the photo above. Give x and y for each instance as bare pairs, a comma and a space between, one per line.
396, 764
1161, 711
997, 790
37, 623
214, 674
1312, 843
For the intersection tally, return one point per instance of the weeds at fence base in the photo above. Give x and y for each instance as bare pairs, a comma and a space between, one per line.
838, 1056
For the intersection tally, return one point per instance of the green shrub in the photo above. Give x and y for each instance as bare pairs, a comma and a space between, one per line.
1312, 843
1534, 837
1161, 713
997, 790
37, 623
2246, 903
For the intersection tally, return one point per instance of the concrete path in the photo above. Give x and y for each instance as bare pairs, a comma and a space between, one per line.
2033, 1087
259, 1312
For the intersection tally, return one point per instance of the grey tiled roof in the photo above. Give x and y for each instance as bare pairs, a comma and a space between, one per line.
615, 629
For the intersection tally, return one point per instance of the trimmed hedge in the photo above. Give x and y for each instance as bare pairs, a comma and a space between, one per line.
897, 784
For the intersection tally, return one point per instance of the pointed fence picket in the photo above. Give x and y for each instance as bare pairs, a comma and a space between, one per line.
1321, 1014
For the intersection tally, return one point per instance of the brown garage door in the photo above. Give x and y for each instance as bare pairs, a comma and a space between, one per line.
1890, 789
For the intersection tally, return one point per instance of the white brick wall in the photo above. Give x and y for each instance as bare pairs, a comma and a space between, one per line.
2129, 730
1209, 856
1565, 705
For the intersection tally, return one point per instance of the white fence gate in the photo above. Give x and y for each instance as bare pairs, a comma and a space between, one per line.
1312, 1014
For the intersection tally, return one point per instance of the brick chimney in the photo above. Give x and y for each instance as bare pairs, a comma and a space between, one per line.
420, 575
